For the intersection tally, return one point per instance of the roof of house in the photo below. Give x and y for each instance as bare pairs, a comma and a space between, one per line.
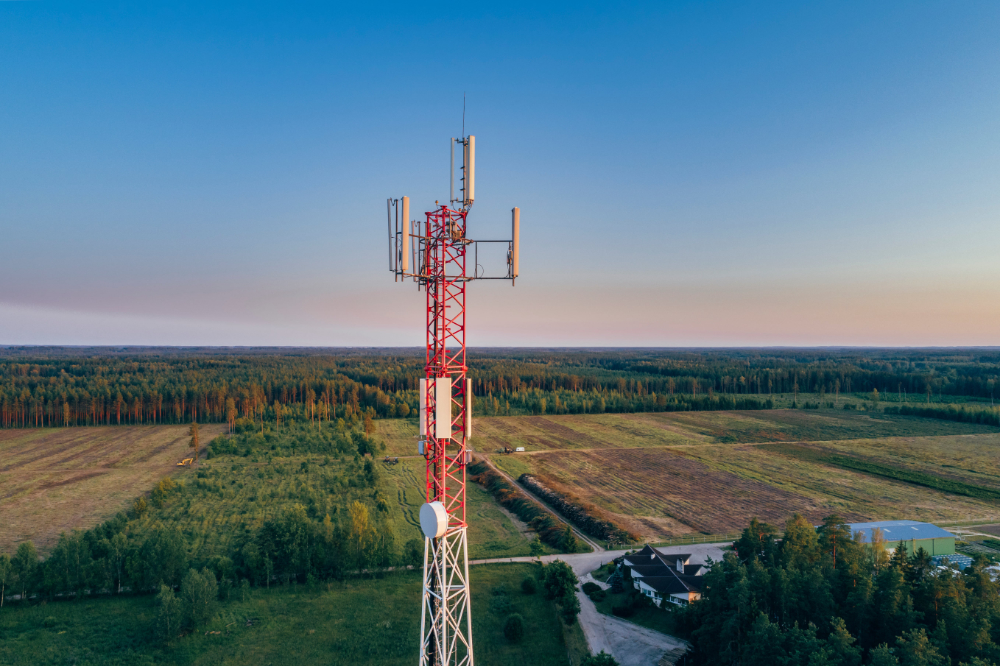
695, 569
650, 555
672, 583
643, 570
900, 530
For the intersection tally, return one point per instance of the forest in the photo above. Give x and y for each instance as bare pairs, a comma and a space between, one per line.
58, 387
331, 518
820, 596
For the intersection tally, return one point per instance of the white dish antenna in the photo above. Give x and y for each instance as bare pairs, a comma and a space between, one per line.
433, 520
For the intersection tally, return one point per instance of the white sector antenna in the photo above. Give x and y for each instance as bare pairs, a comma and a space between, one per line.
405, 259
470, 170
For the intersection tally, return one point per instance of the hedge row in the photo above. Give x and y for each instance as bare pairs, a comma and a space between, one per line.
579, 514
548, 528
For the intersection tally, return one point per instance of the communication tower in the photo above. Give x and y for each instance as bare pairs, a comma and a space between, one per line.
437, 254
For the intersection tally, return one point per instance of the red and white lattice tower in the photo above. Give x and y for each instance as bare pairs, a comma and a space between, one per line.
443, 261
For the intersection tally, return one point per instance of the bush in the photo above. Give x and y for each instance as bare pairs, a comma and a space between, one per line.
598, 595
570, 607
579, 513
199, 592
602, 658
413, 552
500, 605
589, 588
625, 610
559, 580
168, 614
513, 628
529, 586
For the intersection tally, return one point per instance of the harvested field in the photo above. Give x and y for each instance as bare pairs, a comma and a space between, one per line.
989, 529
965, 458
660, 493
55, 480
717, 489
669, 474
654, 429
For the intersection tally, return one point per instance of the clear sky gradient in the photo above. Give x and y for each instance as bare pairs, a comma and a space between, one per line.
724, 173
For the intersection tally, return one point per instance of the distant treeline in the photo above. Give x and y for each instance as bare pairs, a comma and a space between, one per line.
963, 413
43, 387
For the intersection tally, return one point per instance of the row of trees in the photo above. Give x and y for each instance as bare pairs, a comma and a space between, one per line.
825, 597
60, 387
549, 530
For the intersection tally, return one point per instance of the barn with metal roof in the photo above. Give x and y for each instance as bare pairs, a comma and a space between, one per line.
931, 538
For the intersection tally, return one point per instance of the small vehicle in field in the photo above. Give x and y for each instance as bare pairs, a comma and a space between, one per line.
519, 449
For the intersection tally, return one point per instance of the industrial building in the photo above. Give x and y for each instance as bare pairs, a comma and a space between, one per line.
934, 540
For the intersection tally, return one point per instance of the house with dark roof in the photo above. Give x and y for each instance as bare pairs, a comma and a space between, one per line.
665, 576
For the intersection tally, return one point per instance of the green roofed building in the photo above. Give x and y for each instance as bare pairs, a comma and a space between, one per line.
931, 538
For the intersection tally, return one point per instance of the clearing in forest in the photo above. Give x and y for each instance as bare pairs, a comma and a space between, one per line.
55, 480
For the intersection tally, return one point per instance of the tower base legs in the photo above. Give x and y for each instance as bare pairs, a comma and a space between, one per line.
446, 609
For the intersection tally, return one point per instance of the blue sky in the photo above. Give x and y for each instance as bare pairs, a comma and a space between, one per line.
688, 173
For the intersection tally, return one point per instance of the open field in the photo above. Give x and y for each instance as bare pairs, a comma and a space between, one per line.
654, 429
669, 474
965, 458
57, 479
358, 622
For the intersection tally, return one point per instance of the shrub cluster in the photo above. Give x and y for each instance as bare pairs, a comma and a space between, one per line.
577, 512
512, 499
560, 585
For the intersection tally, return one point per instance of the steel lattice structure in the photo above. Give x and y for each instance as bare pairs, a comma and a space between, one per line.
437, 254
445, 616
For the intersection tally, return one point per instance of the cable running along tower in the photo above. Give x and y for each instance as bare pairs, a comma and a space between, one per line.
437, 254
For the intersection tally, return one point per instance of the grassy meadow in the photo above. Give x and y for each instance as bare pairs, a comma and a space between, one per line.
358, 622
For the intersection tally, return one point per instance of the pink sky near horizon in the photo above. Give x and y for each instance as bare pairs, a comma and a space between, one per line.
693, 315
